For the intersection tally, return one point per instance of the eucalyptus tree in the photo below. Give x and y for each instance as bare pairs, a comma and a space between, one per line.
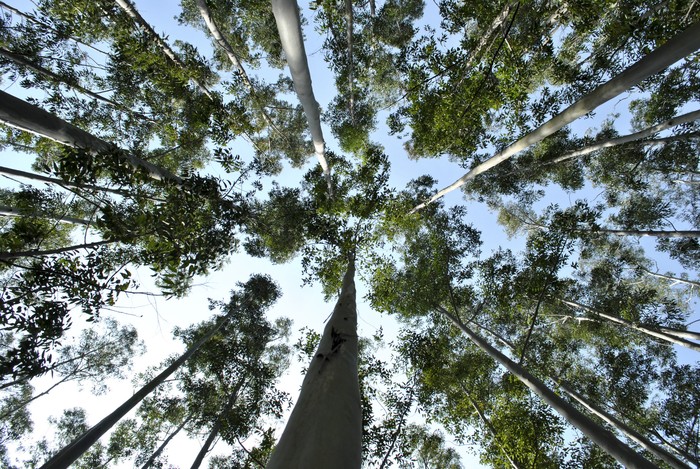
256, 294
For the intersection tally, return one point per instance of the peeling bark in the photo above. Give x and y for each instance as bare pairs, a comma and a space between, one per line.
325, 428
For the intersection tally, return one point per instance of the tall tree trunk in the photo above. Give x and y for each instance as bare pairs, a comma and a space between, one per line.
651, 233
233, 58
599, 435
69, 454
6, 211
217, 425
631, 433
678, 120
289, 27
643, 329
325, 428
48, 252
24, 116
59, 182
351, 80
692, 283
21, 60
138, 19
489, 426
165, 442
672, 51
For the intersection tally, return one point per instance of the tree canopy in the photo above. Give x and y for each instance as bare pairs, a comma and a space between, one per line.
543, 316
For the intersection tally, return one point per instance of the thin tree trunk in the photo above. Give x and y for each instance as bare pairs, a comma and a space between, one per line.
692, 283
34, 20
672, 51
372, 8
325, 428
217, 425
21, 60
26, 402
29, 118
138, 19
287, 18
495, 24
628, 431
69, 454
59, 182
165, 442
495, 335
49, 252
489, 427
233, 58
678, 120
636, 327
599, 435
350, 21
651, 233
7, 211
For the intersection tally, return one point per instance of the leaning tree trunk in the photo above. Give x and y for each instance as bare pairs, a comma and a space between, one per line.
649, 131
630, 432
598, 434
643, 329
130, 10
24, 116
325, 428
214, 432
165, 442
21, 60
672, 51
69, 454
287, 17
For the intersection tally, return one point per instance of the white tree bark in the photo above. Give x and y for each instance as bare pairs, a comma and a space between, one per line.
674, 50
24, 116
678, 120
325, 428
138, 19
598, 434
645, 330
628, 431
289, 27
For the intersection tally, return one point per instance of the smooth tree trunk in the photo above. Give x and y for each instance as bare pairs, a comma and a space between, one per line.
495, 24
325, 427
692, 283
50, 252
649, 131
232, 57
165, 442
628, 431
22, 115
643, 329
59, 182
130, 10
672, 51
650, 233
598, 434
21, 60
351, 81
289, 28
69, 454
7, 211
489, 426
214, 432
